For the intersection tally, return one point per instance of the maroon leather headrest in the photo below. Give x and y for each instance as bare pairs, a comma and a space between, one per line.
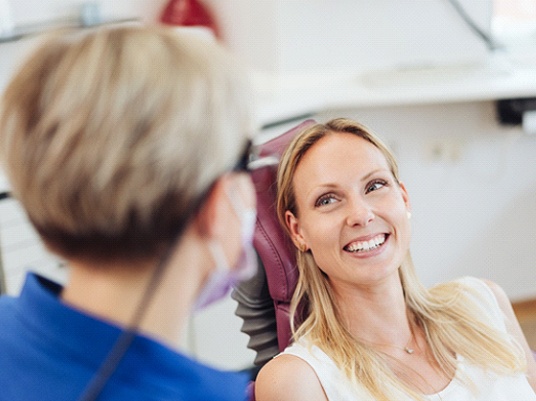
273, 246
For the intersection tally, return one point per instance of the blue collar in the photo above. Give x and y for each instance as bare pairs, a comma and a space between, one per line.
88, 339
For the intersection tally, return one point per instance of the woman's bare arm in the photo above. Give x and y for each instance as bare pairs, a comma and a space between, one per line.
288, 378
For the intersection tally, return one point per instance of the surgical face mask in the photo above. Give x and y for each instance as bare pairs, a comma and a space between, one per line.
223, 278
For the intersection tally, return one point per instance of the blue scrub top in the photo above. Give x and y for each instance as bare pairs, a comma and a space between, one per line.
50, 351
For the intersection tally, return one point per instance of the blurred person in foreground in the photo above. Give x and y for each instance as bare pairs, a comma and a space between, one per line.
127, 148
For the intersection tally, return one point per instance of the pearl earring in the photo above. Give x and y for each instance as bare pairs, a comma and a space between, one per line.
409, 215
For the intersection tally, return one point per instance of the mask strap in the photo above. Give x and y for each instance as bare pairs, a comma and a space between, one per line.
216, 250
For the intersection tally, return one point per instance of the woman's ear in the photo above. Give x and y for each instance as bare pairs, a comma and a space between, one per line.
293, 225
405, 196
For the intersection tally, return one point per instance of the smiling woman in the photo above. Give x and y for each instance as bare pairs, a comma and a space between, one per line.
371, 331
353, 186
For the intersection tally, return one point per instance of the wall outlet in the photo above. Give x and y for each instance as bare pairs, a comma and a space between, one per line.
444, 150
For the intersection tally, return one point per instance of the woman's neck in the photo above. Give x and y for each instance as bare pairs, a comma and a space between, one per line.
377, 314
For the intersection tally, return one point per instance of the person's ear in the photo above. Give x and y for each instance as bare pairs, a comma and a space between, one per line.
210, 221
405, 197
242, 185
293, 225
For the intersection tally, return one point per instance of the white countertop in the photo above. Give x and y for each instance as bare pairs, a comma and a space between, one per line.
285, 96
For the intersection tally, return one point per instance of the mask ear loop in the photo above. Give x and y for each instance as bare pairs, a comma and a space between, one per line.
222, 268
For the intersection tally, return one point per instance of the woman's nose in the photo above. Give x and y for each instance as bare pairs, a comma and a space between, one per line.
359, 212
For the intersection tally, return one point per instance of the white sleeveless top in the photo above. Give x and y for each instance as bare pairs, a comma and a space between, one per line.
489, 386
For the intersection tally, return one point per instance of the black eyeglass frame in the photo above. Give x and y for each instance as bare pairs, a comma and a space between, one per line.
246, 157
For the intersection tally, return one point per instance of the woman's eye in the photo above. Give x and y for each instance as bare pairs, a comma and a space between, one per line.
375, 185
325, 200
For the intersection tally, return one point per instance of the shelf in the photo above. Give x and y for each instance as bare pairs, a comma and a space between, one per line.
49, 26
282, 97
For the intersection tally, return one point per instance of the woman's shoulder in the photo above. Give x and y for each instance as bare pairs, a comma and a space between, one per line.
487, 291
485, 297
482, 289
475, 283
288, 377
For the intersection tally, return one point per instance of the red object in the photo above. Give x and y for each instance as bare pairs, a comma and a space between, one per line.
189, 13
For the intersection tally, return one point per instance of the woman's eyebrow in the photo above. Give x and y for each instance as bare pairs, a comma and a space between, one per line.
370, 174
331, 185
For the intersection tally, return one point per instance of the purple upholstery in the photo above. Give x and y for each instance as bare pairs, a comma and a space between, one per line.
275, 250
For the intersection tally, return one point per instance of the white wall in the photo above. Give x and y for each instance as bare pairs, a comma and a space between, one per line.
293, 36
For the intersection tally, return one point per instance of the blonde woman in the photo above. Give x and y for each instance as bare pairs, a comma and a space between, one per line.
371, 330
127, 147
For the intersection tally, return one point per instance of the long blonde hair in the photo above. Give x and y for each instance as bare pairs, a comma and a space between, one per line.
447, 313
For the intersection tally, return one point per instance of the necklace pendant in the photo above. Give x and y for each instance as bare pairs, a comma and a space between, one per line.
409, 350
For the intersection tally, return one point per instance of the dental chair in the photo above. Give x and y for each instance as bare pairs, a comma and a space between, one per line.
263, 301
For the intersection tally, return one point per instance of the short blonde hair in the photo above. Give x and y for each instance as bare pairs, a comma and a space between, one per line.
110, 138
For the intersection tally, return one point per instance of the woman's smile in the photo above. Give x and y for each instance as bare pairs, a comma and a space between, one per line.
366, 246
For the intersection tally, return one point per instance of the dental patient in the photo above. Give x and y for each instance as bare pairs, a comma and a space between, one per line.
371, 331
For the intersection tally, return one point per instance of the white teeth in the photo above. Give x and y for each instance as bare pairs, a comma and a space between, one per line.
364, 246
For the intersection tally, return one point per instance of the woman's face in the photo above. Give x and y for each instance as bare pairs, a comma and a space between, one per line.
352, 214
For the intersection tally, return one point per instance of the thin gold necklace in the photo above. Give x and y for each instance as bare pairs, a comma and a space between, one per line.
407, 348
